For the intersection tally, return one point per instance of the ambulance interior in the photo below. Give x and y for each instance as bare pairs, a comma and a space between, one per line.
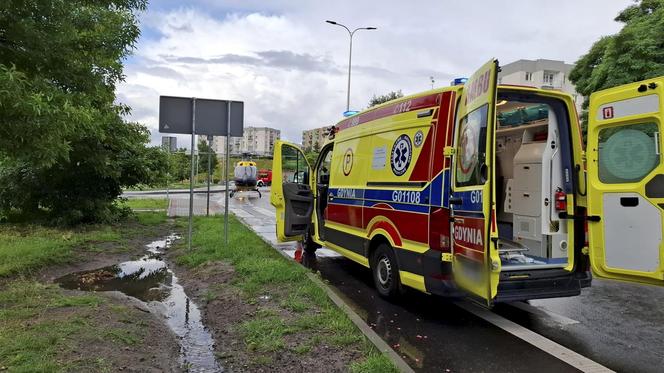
529, 171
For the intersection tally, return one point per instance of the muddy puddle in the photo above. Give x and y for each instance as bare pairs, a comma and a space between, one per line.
150, 280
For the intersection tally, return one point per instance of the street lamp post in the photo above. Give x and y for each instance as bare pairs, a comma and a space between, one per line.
350, 54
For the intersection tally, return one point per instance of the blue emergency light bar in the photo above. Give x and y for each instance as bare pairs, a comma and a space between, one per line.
458, 81
350, 113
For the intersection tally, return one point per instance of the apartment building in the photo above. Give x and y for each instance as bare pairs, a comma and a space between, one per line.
255, 140
314, 138
169, 143
541, 73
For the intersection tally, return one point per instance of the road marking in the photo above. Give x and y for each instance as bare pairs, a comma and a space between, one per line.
552, 348
560, 319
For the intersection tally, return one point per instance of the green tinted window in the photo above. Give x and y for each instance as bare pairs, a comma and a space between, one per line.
627, 153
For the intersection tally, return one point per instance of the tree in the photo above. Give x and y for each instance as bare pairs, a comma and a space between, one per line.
635, 53
311, 157
377, 100
65, 148
180, 165
203, 150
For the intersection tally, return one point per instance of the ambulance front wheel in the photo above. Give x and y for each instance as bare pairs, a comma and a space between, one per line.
386, 272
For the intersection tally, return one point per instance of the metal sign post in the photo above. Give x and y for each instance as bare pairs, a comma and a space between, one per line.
209, 139
228, 147
191, 178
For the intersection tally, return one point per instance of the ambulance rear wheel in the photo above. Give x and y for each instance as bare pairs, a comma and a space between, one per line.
386, 272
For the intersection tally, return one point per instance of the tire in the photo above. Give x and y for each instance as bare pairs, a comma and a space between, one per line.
385, 272
308, 244
259, 183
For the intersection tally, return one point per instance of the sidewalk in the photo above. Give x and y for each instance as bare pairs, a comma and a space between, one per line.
197, 190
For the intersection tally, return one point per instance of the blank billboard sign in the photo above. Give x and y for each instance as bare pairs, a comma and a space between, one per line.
211, 116
174, 114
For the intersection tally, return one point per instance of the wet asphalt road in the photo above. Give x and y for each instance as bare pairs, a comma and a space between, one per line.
431, 333
620, 326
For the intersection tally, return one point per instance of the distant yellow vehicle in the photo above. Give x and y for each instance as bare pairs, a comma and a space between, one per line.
481, 189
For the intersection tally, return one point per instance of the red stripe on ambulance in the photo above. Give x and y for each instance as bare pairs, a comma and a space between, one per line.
396, 108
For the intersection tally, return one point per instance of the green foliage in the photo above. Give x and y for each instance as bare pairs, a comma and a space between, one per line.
377, 100
635, 53
179, 165
64, 146
311, 156
204, 149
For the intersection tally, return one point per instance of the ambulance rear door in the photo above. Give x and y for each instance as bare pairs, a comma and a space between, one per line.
291, 193
626, 182
475, 260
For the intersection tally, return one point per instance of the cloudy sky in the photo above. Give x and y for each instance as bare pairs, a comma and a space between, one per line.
290, 67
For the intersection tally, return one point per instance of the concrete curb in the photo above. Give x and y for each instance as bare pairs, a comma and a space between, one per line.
371, 335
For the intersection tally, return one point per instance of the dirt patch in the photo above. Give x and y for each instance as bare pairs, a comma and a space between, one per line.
227, 312
129, 338
118, 334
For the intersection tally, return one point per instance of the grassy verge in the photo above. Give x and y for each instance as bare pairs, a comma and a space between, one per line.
46, 329
147, 203
25, 248
298, 311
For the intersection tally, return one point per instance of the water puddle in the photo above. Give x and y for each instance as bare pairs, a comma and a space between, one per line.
150, 280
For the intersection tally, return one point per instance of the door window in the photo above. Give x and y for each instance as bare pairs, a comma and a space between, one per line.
471, 151
324, 168
628, 153
294, 166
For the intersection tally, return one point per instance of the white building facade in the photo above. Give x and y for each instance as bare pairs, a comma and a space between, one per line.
541, 73
314, 138
257, 141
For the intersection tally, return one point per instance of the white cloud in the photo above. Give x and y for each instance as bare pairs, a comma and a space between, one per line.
290, 67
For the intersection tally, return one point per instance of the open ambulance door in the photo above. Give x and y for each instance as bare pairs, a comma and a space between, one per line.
291, 193
626, 182
475, 259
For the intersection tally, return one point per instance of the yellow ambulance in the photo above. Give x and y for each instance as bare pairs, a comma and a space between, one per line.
482, 189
